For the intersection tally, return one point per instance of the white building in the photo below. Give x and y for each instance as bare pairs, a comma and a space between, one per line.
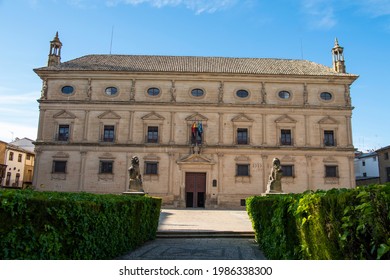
366, 168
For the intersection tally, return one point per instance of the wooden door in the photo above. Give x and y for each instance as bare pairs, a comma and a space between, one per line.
195, 189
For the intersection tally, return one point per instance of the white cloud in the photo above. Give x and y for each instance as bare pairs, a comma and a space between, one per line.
199, 6
320, 13
9, 98
11, 130
375, 8
18, 114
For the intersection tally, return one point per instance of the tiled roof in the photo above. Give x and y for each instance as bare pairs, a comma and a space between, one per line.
194, 64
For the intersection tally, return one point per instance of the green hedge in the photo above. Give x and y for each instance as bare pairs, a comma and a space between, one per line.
53, 225
335, 224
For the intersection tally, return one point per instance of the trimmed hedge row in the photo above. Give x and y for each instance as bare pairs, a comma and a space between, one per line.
53, 225
337, 224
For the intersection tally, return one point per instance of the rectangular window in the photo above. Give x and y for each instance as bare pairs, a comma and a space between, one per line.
152, 134
363, 163
20, 157
288, 170
17, 178
63, 132
364, 174
151, 168
331, 171
329, 138
109, 133
285, 137
388, 174
11, 156
386, 156
29, 175
28, 157
8, 179
242, 170
59, 166
106, 166
242, 136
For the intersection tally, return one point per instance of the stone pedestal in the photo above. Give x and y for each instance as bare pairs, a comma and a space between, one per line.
133, 193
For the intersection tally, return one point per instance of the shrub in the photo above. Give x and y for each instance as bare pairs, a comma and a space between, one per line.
52, 225
335, 224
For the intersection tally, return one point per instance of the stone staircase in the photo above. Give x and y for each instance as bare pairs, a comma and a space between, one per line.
205, 234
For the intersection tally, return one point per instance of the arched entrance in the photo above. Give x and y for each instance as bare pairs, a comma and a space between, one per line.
195, 189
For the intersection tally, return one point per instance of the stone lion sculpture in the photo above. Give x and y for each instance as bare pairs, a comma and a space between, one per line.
135, 182
275, 178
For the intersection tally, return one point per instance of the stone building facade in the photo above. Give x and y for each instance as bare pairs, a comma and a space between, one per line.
3, 166
384, 164
366, 168
205, 129
17, 168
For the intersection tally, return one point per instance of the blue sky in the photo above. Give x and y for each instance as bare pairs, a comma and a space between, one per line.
248, 28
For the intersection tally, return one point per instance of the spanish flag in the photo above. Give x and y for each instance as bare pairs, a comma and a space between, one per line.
194, 129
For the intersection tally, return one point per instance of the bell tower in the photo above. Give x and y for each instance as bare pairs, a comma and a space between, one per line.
55, 52
338, 57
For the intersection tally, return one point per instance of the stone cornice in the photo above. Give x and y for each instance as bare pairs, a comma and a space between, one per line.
219, 148
185, 105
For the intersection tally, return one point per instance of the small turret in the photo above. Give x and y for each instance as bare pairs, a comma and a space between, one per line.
55, 52
338, 57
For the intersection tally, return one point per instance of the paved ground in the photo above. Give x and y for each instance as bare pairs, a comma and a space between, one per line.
197, 234
198, 220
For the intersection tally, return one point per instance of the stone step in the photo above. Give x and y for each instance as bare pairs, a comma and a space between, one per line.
205, 234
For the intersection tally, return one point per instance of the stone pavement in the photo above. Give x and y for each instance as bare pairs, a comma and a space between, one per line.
199, 234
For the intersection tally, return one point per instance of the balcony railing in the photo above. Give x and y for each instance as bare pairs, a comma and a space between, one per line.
61, 137
286, 142
330, 143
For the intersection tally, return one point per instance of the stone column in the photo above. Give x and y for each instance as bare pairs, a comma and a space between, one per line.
86, 123
127, 177
220, 132
351, 171
170, 172
38, 152
131, 125
82, 174
172, 129
220, 173
41, 122
307, 131
264, 127
264, 159
349, 131
308, 172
